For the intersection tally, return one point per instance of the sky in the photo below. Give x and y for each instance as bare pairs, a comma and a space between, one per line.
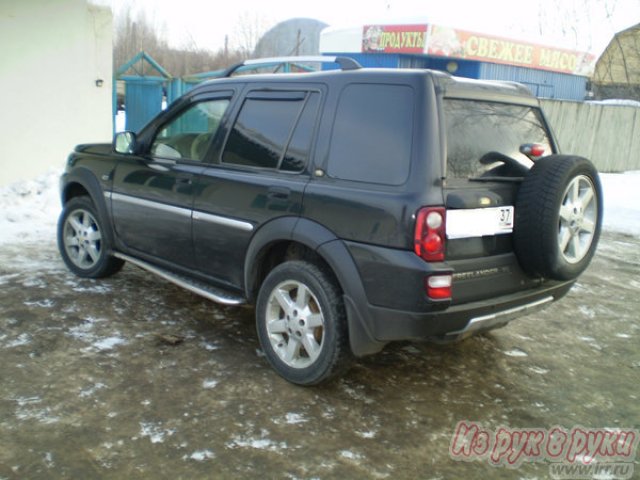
586, 25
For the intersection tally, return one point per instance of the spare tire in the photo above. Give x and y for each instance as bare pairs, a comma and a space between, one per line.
558, 217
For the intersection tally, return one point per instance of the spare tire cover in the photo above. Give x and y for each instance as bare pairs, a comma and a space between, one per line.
558, 217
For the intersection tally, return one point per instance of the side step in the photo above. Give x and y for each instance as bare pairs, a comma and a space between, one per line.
207, 291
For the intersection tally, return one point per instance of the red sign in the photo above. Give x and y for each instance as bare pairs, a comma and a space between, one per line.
449, 42
394, 38
453, 43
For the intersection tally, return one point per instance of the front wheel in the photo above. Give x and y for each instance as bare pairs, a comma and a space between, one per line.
301, 323
82, 241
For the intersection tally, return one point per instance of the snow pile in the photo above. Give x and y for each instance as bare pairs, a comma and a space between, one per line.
29, 210
621, 193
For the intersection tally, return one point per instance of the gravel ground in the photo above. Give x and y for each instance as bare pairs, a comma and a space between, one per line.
92, 386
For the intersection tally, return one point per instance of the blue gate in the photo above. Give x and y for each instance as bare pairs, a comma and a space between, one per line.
143, 94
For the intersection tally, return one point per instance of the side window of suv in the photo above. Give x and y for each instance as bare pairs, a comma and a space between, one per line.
273, 130
187, 136
298, 149
372, 134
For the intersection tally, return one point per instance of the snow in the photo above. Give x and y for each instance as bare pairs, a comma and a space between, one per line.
618, 102
108, 343
348, 454
201, 455
155, 432
621, 193
516, 352
295, 418
209, 383
29, 209
257, 443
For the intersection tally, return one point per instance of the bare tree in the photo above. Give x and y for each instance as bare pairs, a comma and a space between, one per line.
249, 28
135, 33
575, 20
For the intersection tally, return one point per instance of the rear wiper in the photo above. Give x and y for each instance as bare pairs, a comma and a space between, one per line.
492, 157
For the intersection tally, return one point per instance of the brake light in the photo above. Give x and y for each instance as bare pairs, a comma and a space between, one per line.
439, 287
430, 234
533, 150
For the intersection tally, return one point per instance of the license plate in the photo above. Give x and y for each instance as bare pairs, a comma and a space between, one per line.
479, 222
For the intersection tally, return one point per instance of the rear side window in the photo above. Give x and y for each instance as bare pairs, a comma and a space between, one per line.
372, 134
273, 131
298, 150
475, 128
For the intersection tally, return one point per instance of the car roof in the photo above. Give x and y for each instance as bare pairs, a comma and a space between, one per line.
448, 85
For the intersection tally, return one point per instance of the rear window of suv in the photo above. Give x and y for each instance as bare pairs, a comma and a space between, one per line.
475, 128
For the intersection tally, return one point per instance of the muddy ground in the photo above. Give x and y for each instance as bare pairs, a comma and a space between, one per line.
89, 388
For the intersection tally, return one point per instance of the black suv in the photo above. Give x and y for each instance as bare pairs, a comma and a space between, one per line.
352, 207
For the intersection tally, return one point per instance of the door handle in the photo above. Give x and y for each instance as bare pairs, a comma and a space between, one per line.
184, 180
278, 193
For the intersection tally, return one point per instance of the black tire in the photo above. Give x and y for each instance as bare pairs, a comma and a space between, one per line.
82, 241
558, 217
291, 329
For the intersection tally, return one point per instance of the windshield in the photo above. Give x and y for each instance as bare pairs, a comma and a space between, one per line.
475, 128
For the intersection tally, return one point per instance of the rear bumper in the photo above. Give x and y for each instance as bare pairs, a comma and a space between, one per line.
462, 320
386, 301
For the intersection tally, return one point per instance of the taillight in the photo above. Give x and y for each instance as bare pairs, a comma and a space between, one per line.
430, 234
439, 287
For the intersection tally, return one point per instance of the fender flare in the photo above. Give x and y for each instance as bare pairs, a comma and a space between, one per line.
272, 232
87, 180
301, 230
333, 251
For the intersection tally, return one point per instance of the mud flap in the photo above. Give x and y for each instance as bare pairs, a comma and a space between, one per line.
360, 340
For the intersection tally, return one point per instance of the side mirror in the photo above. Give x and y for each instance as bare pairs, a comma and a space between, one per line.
124, 142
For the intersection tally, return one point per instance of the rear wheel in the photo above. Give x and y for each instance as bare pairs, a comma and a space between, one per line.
82, 242
558, 217
301, 323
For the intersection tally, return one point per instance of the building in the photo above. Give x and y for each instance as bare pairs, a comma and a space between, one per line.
297, 36
549, 72
56, 72
617, 72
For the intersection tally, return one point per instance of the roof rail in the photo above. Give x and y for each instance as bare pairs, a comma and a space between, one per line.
345, 63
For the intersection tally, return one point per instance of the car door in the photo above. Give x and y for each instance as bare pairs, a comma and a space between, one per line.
259, 175
153, 191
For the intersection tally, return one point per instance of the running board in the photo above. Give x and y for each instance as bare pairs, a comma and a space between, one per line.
200, 288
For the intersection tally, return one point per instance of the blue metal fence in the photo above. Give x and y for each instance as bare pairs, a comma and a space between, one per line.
542, 83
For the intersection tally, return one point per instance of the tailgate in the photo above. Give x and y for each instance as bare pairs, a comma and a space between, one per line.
479, 244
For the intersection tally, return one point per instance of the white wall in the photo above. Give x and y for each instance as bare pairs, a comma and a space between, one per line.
51, 54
